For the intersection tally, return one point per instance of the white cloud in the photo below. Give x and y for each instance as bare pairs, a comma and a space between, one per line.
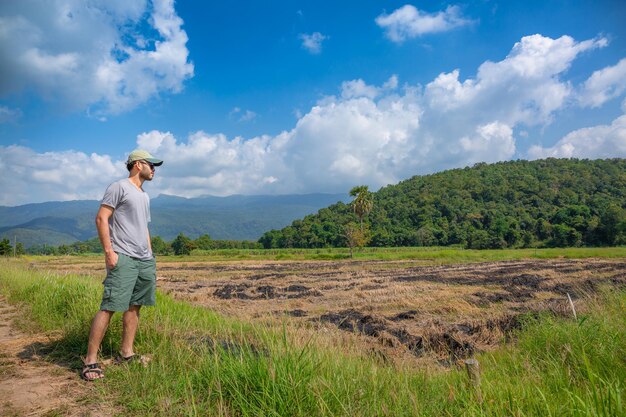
604, 84
604, 141
243, 116
525, 87
247, 116
492, 142
312, 42
391, 83
93, 55
28, 176
358, 88
155, 140
408, 22
212, 164
366, 134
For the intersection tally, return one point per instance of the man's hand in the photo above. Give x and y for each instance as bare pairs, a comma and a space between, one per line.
111, 258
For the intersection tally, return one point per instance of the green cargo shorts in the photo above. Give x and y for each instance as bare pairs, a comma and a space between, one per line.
131, 282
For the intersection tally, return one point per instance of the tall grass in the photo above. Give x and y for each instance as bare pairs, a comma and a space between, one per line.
205, 364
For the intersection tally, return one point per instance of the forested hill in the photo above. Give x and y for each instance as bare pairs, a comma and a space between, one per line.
552, 202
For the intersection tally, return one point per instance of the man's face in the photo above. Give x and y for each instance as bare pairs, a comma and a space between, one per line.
146, 171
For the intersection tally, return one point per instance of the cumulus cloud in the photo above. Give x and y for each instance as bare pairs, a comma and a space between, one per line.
28, 176
493, 139
358, 88
604, 141
103, 56
525, 87
312, 42
604, 85
409, 22
365, 134
212, 164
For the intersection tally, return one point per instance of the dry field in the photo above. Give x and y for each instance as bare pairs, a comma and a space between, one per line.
405, 308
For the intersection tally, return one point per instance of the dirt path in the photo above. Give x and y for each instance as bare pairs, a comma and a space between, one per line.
32, 386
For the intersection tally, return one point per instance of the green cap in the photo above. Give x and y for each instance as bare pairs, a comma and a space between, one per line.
141, 155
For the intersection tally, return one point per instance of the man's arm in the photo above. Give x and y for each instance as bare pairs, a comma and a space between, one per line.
102, 225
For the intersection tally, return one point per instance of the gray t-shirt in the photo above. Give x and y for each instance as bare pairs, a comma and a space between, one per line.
129, 223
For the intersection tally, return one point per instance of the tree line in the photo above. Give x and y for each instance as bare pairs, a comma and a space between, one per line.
181, 245
6, 249
543, 203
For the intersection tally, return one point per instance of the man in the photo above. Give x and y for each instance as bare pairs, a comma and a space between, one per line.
122, 223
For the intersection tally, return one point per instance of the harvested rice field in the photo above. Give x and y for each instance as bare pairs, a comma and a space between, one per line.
403, 309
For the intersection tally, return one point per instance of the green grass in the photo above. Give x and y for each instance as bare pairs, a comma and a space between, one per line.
433, 254
205, 364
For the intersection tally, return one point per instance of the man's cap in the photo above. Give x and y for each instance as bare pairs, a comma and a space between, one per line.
141, 155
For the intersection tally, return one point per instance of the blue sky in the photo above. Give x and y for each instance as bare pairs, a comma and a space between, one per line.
294, 97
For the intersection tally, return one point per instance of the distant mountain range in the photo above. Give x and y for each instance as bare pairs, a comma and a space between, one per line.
235, 217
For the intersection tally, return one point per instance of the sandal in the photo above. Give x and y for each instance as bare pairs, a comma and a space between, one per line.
134, 358
92, 368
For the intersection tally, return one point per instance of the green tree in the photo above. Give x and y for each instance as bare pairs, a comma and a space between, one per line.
5, 247
543, 229
204, 242
79, 247
64, 250
611, 221
160, 247
94, 245
425, 236
479, 239
271, 239
564, 236
19, 249
363, 202
356, 236
182, 245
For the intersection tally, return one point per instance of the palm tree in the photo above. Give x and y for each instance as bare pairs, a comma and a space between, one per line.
362, 203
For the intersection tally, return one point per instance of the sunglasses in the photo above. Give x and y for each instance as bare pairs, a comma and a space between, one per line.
150, 164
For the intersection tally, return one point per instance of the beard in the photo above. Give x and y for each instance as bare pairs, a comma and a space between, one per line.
146, 177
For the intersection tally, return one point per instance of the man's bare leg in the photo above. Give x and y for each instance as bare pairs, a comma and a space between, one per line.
130, 322
99, 327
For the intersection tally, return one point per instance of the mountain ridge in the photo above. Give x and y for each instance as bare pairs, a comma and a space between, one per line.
236, 217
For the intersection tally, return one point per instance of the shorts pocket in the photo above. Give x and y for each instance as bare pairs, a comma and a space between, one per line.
119, 261
106, 295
